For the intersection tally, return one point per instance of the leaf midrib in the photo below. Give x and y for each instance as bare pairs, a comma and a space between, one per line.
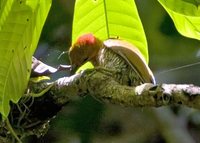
106, 18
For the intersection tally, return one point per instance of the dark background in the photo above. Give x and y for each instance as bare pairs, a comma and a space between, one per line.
88, 120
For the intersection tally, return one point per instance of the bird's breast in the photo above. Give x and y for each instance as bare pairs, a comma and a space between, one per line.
124, 74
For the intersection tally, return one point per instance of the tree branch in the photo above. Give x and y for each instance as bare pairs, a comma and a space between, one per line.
103, 87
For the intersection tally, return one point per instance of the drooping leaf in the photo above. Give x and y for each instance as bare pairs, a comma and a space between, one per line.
110, 19
21, 22
186, 16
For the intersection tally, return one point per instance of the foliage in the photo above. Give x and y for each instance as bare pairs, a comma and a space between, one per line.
186, 16
21, 22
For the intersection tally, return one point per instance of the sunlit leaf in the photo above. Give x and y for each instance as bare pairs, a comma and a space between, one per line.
186, 16
21, 22
110, 19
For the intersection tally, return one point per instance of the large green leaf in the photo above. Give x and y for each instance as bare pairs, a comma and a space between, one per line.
21, 22
110, 19
186, 16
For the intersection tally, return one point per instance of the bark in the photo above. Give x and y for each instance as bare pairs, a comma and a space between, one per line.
103, 87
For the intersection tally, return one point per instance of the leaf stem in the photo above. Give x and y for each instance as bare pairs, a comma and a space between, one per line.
12, 131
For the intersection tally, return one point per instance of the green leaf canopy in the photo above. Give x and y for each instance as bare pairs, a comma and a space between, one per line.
110, 19
21, 22
186, 16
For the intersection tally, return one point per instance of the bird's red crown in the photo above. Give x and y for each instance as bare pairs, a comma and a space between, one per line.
86, 39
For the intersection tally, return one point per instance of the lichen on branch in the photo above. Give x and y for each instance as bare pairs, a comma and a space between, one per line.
102, 86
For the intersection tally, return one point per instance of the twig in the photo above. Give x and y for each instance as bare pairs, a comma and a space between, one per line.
12, 131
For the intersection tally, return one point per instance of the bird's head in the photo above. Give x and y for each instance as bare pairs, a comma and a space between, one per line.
85, 49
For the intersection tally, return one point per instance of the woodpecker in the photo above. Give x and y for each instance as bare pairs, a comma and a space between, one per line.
114, 55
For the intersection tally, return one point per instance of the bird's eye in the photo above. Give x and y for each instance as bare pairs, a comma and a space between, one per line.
86, 59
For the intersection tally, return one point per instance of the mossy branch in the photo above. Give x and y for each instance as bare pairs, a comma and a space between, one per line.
103, 87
